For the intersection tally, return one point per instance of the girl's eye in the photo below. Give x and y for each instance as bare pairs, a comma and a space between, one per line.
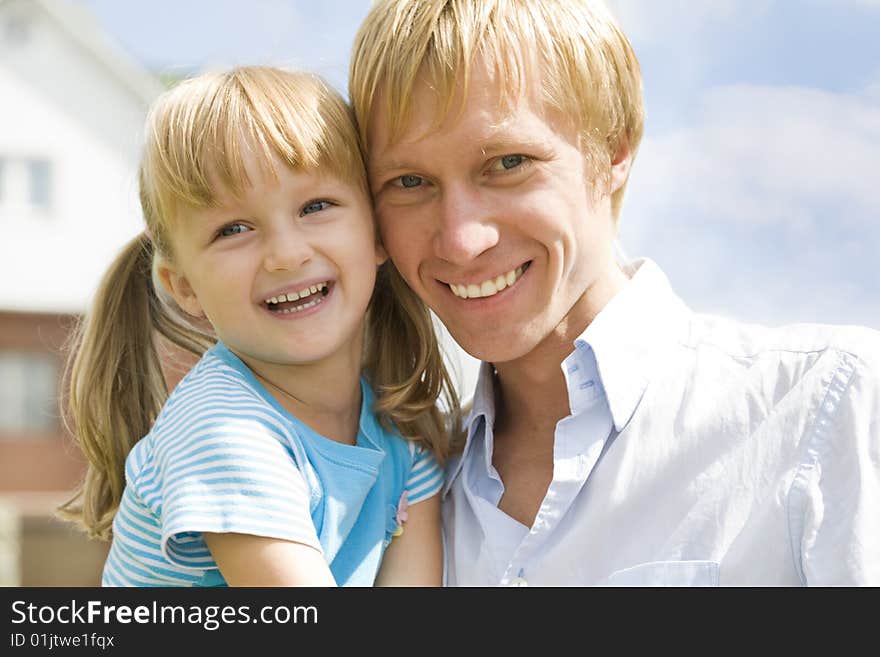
409, 181
509, 162
315, 206
232, 229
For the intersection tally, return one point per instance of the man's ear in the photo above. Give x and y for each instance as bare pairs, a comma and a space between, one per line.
176, 284
621, 162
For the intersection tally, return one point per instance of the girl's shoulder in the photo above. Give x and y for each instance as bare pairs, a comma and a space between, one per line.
215, 392
214, 374
218, 363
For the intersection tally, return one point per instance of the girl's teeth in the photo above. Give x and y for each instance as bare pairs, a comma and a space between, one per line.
296, 296
299, 309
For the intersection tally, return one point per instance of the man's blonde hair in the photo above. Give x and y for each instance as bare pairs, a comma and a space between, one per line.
587, 67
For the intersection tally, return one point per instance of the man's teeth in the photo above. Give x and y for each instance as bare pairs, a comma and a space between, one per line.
487, 288
296, 296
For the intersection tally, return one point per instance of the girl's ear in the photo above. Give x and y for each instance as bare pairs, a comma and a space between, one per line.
381, 254
177, 285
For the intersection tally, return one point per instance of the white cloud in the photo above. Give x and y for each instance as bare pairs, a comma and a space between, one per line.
870, 4
651, 21
873, 89
760, 153
767, 205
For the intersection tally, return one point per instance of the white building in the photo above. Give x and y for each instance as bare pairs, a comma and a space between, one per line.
72, 106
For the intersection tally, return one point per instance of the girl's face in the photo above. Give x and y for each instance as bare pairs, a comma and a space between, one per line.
285, 273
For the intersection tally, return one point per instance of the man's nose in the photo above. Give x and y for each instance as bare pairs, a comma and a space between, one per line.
286, 250
467, 226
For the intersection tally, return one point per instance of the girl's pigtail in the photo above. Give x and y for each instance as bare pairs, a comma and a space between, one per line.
405, 366
114, 380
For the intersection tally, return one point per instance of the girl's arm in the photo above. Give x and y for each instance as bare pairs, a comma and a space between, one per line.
415, 558
248, 560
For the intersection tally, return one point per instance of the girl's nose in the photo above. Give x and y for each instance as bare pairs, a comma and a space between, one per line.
286, 251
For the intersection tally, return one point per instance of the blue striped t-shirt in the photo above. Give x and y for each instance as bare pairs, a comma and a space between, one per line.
224, 456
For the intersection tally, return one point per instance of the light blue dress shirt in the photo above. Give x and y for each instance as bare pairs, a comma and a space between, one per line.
698, 451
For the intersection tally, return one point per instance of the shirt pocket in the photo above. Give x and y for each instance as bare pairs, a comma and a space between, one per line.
666, 573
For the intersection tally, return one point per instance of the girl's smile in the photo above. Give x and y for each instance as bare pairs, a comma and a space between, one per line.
310, 299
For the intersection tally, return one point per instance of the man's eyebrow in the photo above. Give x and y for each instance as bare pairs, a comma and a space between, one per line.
492, 146
386, 166
511, 145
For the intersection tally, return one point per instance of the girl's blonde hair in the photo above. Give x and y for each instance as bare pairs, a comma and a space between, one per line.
196, 133
587, 68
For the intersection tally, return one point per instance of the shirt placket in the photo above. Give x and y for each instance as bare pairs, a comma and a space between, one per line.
577, 447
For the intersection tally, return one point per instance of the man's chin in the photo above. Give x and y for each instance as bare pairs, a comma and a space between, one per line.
494, 346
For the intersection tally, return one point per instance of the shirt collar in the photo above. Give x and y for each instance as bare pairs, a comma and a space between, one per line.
482, 408
629, 337
633, 334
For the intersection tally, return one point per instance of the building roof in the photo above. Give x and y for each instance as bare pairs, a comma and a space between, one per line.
84, 30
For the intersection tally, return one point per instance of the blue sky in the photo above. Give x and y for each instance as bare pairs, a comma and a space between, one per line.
757, 185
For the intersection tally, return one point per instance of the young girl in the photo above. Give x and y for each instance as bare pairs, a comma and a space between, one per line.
278, 459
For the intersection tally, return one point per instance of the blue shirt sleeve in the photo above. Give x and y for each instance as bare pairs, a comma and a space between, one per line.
231, 474
425, 477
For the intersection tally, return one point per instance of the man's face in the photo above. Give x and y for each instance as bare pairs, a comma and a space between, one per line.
494, 219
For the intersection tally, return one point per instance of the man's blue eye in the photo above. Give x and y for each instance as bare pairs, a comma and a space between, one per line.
410, 181
315, 206
232, 229
511, 161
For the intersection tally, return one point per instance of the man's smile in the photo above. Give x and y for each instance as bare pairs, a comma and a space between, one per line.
490, 287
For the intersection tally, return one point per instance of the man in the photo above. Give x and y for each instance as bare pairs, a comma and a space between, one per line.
615, 437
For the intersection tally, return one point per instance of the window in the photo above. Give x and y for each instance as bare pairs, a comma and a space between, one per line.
26, 184
40, 183
16, 30
28, 392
